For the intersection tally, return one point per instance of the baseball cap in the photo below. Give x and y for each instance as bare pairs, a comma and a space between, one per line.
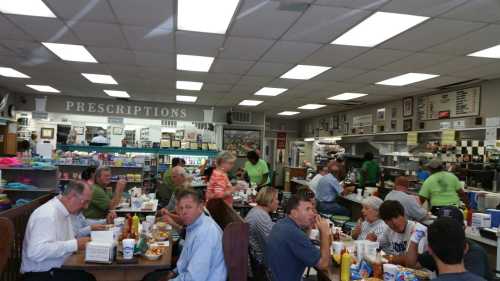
451, 212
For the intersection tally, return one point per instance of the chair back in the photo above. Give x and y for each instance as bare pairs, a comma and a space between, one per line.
7, 230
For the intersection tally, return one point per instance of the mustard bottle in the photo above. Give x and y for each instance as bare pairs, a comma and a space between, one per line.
345, 267
135, 226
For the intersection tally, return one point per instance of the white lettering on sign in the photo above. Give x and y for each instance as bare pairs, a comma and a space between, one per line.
69, 105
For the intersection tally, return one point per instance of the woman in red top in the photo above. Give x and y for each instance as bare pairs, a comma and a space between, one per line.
219, 185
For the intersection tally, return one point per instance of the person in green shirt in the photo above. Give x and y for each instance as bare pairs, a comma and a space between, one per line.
441, 188
103, 200
370, 171
256, 169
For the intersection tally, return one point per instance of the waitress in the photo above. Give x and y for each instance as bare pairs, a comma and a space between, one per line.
257, 170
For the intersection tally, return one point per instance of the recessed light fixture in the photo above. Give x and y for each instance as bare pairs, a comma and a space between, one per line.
117, 94
288, 113
11, 72
100, 78
250, 102
205, 16
194, 63
492, 52
270, 92
189, 85
406, 79
347, 96
309, 139
27, 8
182, 98
311, 106
378, 28
44, 88
304, 72
70, 52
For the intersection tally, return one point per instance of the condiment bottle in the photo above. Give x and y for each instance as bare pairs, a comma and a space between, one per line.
345, 266
377, 266
135, 226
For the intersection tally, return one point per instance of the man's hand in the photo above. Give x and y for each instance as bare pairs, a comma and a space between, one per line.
372, 237
120, 185
323, 226
97, 227
82, 242
111, 217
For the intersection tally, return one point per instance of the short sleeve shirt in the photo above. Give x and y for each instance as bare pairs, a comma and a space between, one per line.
372, 170
394, 243
289, 251
219, 183
328, 188
441, 189
413, 209
256, 172
260, 224
99, 205
463, 276
377, 227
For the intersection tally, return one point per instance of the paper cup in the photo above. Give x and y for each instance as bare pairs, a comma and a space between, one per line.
337, 247
152, 196
314, 235
390, 271
360, 249
371, 248
151, 219
128, 248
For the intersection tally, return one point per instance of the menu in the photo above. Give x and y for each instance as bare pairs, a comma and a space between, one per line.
454, 104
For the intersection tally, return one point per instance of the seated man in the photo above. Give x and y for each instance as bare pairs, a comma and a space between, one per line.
104, 200
49, 237
446, 246
403, 238
82, 227
201, 257
289, 250
413, 209
178, 181
166, 190
475, 257
327, 191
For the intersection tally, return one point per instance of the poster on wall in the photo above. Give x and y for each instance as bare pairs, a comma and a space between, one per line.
280, 140
381, 114
240, 142
407, 125
461, 103
408, 107
362, 121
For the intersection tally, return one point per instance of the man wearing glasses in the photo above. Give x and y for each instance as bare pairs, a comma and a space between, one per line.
49, 237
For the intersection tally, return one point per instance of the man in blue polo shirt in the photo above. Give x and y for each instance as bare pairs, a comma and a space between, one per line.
289, 251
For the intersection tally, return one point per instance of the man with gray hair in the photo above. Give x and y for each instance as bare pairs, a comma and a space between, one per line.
49, 237
104, 200
179, 181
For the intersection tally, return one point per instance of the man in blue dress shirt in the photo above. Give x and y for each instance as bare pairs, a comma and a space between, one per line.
327, 191
202, 258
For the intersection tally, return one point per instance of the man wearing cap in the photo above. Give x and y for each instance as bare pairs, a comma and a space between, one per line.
475, 258
442, 188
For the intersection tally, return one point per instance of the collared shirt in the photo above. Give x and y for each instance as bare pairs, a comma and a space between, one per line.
328, 188
99, 205
313, 184
82, 226
377, 227
49, 238
202, 258
289, 251
413, 210
260, 224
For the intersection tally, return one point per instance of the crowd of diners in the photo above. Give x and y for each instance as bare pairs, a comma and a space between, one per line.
279, 250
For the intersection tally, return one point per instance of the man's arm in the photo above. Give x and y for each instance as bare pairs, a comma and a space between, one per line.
117, 196
324, 248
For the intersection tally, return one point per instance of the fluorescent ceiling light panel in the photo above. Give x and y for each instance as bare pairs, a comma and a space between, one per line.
347, 96
304, 72
11, 72
44, 88
194, 63
205, 16
100, 78
182, 98
406, 79
117, 94
270, 92
378, 28
288, 113
70, 52
189, 85
26, 7
492, 52
312, 106
250, 102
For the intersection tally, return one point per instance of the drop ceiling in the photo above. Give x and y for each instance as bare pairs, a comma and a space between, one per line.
137, 41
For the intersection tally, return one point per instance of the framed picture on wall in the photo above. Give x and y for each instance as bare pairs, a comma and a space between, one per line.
407, 125
241, 141
408, 107
381, 114
117, 131
47, 133
394, 112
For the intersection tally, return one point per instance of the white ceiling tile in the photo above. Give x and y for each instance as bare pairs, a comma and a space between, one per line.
155, 59
245, 48
355, 4
269, 69
45, 29
221, 78
141, 39
476, 10
254, 80
32, 51
195, 43
334, 55
483, 71
10, 31
323, 24
429, 8
373, 76
217, 88
339, 74
152, 14
376, 58
232, 66
456, 65
262, 19
284, 83
113, 55
430, 33
290, 52
85, 10
439, 82
99, 34
416, 62
471, 42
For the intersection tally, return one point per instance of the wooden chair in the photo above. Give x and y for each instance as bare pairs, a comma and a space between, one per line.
234, 238
7, 230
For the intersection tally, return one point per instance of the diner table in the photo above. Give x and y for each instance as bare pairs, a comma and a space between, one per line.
332, 273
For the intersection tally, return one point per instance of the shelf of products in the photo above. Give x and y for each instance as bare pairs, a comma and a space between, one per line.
123, 150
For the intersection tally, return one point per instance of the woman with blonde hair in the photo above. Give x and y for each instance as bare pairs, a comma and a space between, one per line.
219, 185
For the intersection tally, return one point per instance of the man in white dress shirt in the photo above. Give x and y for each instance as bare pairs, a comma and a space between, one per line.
49, 237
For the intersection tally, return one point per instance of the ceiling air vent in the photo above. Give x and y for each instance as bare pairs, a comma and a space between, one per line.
241, 117
351, 103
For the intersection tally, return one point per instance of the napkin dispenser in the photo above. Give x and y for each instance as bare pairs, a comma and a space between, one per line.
102, 248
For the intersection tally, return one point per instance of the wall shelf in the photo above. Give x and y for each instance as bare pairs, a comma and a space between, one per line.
117, 149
